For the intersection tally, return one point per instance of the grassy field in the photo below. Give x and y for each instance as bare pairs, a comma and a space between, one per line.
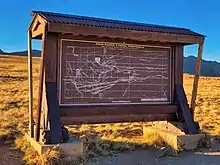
14, 111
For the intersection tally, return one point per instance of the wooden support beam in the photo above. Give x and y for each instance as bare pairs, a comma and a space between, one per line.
53, 113
47, 100
41, 81
51, 58
44, 109
178, 64
117, 110
35, 25
109, 39
39, 31
123, 34
30, 85
185, 112
196, 78
117, 119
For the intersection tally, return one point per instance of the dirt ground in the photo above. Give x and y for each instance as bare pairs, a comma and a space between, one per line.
151, 157
10, 156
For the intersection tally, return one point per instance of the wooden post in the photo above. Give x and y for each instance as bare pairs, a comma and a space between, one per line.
52, 111
196, 78
30, 84
41, 80
184, 110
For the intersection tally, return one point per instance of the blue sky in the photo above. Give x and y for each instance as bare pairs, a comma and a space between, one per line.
198, 15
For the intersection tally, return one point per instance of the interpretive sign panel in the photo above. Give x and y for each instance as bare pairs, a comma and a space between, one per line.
105, 73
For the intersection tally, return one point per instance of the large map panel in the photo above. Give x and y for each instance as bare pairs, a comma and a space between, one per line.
113, 73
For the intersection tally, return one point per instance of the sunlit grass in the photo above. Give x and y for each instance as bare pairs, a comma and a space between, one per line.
208, 100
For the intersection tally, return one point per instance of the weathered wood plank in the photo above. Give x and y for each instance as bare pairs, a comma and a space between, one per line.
117, 119
178, 64
124, 34
181, 101
36, 23
51, 57
53, 113
30, 85
117, 40
172, 72
44, 110
41, 81
47, 81
39, 31
196, 78
118, 110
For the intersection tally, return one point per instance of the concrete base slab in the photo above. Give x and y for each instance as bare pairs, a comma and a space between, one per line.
176, 127
73, 149
174, 136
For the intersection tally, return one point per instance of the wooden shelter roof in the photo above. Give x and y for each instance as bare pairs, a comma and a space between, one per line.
64, 22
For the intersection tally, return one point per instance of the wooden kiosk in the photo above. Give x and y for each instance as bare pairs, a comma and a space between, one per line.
106, 71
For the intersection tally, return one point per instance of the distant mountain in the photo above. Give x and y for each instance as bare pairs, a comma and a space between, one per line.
208, 68
1, 51
35, 53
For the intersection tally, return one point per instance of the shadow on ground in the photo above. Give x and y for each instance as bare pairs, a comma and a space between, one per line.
150, 157
145, 155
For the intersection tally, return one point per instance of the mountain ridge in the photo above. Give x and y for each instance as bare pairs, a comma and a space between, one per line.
208, 68
35, 53
1, 51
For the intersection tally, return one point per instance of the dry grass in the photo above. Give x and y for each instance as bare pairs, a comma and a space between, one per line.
109, 138
50, 157
14, 95
208, 100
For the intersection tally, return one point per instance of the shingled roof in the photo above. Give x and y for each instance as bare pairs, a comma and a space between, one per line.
112, 24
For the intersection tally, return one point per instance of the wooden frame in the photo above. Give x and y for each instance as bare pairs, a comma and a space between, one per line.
143, 110
117, 104
54, 116
184, 112
118, 119
117, 33
196, 78
96, 115
41, 81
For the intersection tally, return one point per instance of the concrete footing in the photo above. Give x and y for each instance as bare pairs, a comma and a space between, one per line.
172, 133
73, 148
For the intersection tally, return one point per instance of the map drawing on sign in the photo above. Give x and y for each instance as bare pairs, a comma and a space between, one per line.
97, 74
